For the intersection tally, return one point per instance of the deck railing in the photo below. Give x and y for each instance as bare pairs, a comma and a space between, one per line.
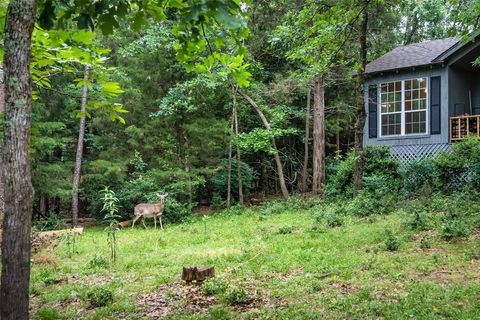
464, 126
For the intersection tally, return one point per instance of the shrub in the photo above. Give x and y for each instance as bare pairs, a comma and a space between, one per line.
100, 296
286, 229
392, 243
419, 217
51, 222
416, 175
380, 172
366, 204
236, 295
98, 262
460, 161
214, 286
327, 216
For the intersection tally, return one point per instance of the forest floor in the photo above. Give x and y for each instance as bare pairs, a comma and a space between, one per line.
267, 267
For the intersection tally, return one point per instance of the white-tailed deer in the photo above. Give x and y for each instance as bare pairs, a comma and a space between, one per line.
150, 210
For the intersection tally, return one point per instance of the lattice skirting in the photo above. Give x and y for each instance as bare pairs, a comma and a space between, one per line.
414, 152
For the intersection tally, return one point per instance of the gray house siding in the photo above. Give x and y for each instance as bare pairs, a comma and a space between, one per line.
427, 139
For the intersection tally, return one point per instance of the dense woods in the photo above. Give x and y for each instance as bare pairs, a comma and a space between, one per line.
177, 131
217, 103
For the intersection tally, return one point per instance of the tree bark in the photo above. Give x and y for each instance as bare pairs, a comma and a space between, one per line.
361, 114
307, 138
79, 156
18, 193
318, 178
278, 161
239, 164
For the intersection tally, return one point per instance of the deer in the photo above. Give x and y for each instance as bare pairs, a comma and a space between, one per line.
150, 210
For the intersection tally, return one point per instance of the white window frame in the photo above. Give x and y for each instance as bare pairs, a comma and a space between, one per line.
403, 111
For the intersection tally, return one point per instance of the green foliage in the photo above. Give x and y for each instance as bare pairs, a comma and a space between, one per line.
47, 313
100, 296
287, 229
455, 223
380, 172
457, 162
419, 216
213, 286
110, 206
417, 174
236, 295
366, 204
52, 222
98, 262
392, 242
219, 180
327, 216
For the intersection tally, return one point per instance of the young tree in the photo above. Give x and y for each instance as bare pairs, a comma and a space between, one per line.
79, 154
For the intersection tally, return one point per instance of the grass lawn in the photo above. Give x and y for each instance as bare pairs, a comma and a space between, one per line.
286, 270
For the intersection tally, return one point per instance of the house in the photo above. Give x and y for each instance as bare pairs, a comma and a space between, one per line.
421, 97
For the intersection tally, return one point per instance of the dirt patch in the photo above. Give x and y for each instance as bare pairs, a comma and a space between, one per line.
45, 259
173, 298
177, 297
340, 287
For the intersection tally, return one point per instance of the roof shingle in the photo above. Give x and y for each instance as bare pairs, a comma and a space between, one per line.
416, 54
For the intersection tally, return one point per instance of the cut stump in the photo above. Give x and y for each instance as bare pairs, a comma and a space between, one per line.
198, 274
125, 224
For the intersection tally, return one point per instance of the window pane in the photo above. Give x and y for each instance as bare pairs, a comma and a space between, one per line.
408, 105
423, 93
398, 86
415, 122
391, 86
415, 94
408, 84
422, 82
391, 124
408, 95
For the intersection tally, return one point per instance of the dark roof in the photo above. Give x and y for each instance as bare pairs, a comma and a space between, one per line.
412, 55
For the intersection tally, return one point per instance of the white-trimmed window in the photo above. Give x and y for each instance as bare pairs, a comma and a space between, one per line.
403, 107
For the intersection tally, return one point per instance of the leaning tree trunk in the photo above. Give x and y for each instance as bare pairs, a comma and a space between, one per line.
78, 158
239, 164
16, 172
278, 161
307, 138
361, 114
318, 135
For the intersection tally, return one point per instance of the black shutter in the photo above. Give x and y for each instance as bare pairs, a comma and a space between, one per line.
435, 105
372, 111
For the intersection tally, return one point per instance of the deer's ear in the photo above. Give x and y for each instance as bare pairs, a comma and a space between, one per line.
157, 194
166, 194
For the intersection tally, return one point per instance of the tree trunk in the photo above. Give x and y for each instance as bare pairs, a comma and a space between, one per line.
187, 167
278, 161
18, 191
307, 138
78, 158
361, 114
239, 164
229, 168
43, 206
318, 178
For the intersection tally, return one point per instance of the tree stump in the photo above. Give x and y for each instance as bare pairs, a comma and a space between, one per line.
197, 274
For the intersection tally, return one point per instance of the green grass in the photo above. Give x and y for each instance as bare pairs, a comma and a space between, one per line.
289, 271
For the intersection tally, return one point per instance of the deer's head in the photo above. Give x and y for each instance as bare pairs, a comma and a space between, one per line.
162, 197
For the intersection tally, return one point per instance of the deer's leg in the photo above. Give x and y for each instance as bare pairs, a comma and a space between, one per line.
161, 226
155, 221
134, 220
143, 222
